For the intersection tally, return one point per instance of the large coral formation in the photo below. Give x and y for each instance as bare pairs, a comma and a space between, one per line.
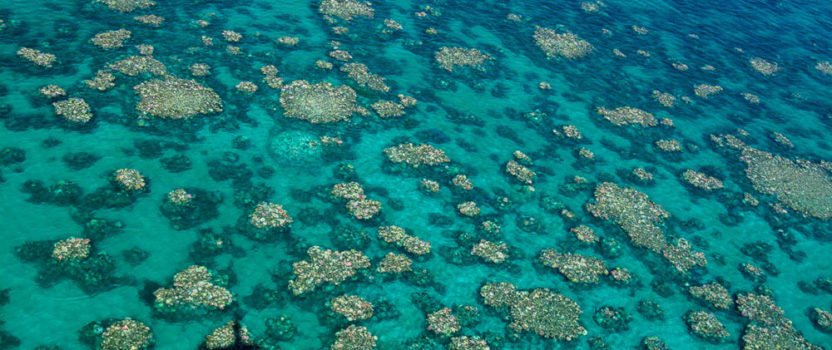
540, 311
639, 217
175, 98
566, 44
318, 103
193, 288
326, 266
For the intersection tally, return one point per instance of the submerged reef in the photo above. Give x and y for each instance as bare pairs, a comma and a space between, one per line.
769, 327
803, 186
111, 39
318, 103
451, 57
540, 311
267, 222
566, 44
126, 334
397, 236
576, 268
714, 294
359, 73
416, 155
443, 322
491, 252
196, 290
352, 307
74, 110
639, 217
115, 334
388, 109
701, 180
37, 57
137, 65
627, 115
326, 266
351, 174
230, 335
175, 98
269, 215
129, 180
73, 258
706, 326
354, 338
395, 263
346, 9
127, 5
186, 208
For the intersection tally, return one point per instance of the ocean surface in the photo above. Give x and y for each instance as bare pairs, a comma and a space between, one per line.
759, 144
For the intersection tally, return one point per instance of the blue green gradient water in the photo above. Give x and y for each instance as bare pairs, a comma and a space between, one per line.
795, 102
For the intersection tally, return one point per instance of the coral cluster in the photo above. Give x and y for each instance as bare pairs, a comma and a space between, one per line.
127, 5
37, 57
701, 180
714, 294
443, 322
764, 67
326, 266
357, 203
130, 179
388, 109
397, 236
705, 91
111, 39
452, 57
346, 9
126, 334
175, 98
361, 75
706, 326
540, 311
352, 307
566, 44
416, 155
74, 110
269, 215
103, 80
354, 338
627, 115
491, 252
193, 288
585, 234
318, 103
803, 186
576, 268
638, 217
138, 65
520, 172
395, 263
72, 248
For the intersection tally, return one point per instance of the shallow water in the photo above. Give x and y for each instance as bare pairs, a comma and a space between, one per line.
477, 117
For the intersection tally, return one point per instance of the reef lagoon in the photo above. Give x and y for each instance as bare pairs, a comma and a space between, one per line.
340, 174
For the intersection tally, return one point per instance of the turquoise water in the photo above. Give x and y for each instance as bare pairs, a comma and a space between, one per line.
477, 117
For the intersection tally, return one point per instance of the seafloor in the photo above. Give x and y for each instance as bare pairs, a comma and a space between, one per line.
757, 208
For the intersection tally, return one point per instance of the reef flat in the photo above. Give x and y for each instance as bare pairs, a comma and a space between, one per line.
341, 174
